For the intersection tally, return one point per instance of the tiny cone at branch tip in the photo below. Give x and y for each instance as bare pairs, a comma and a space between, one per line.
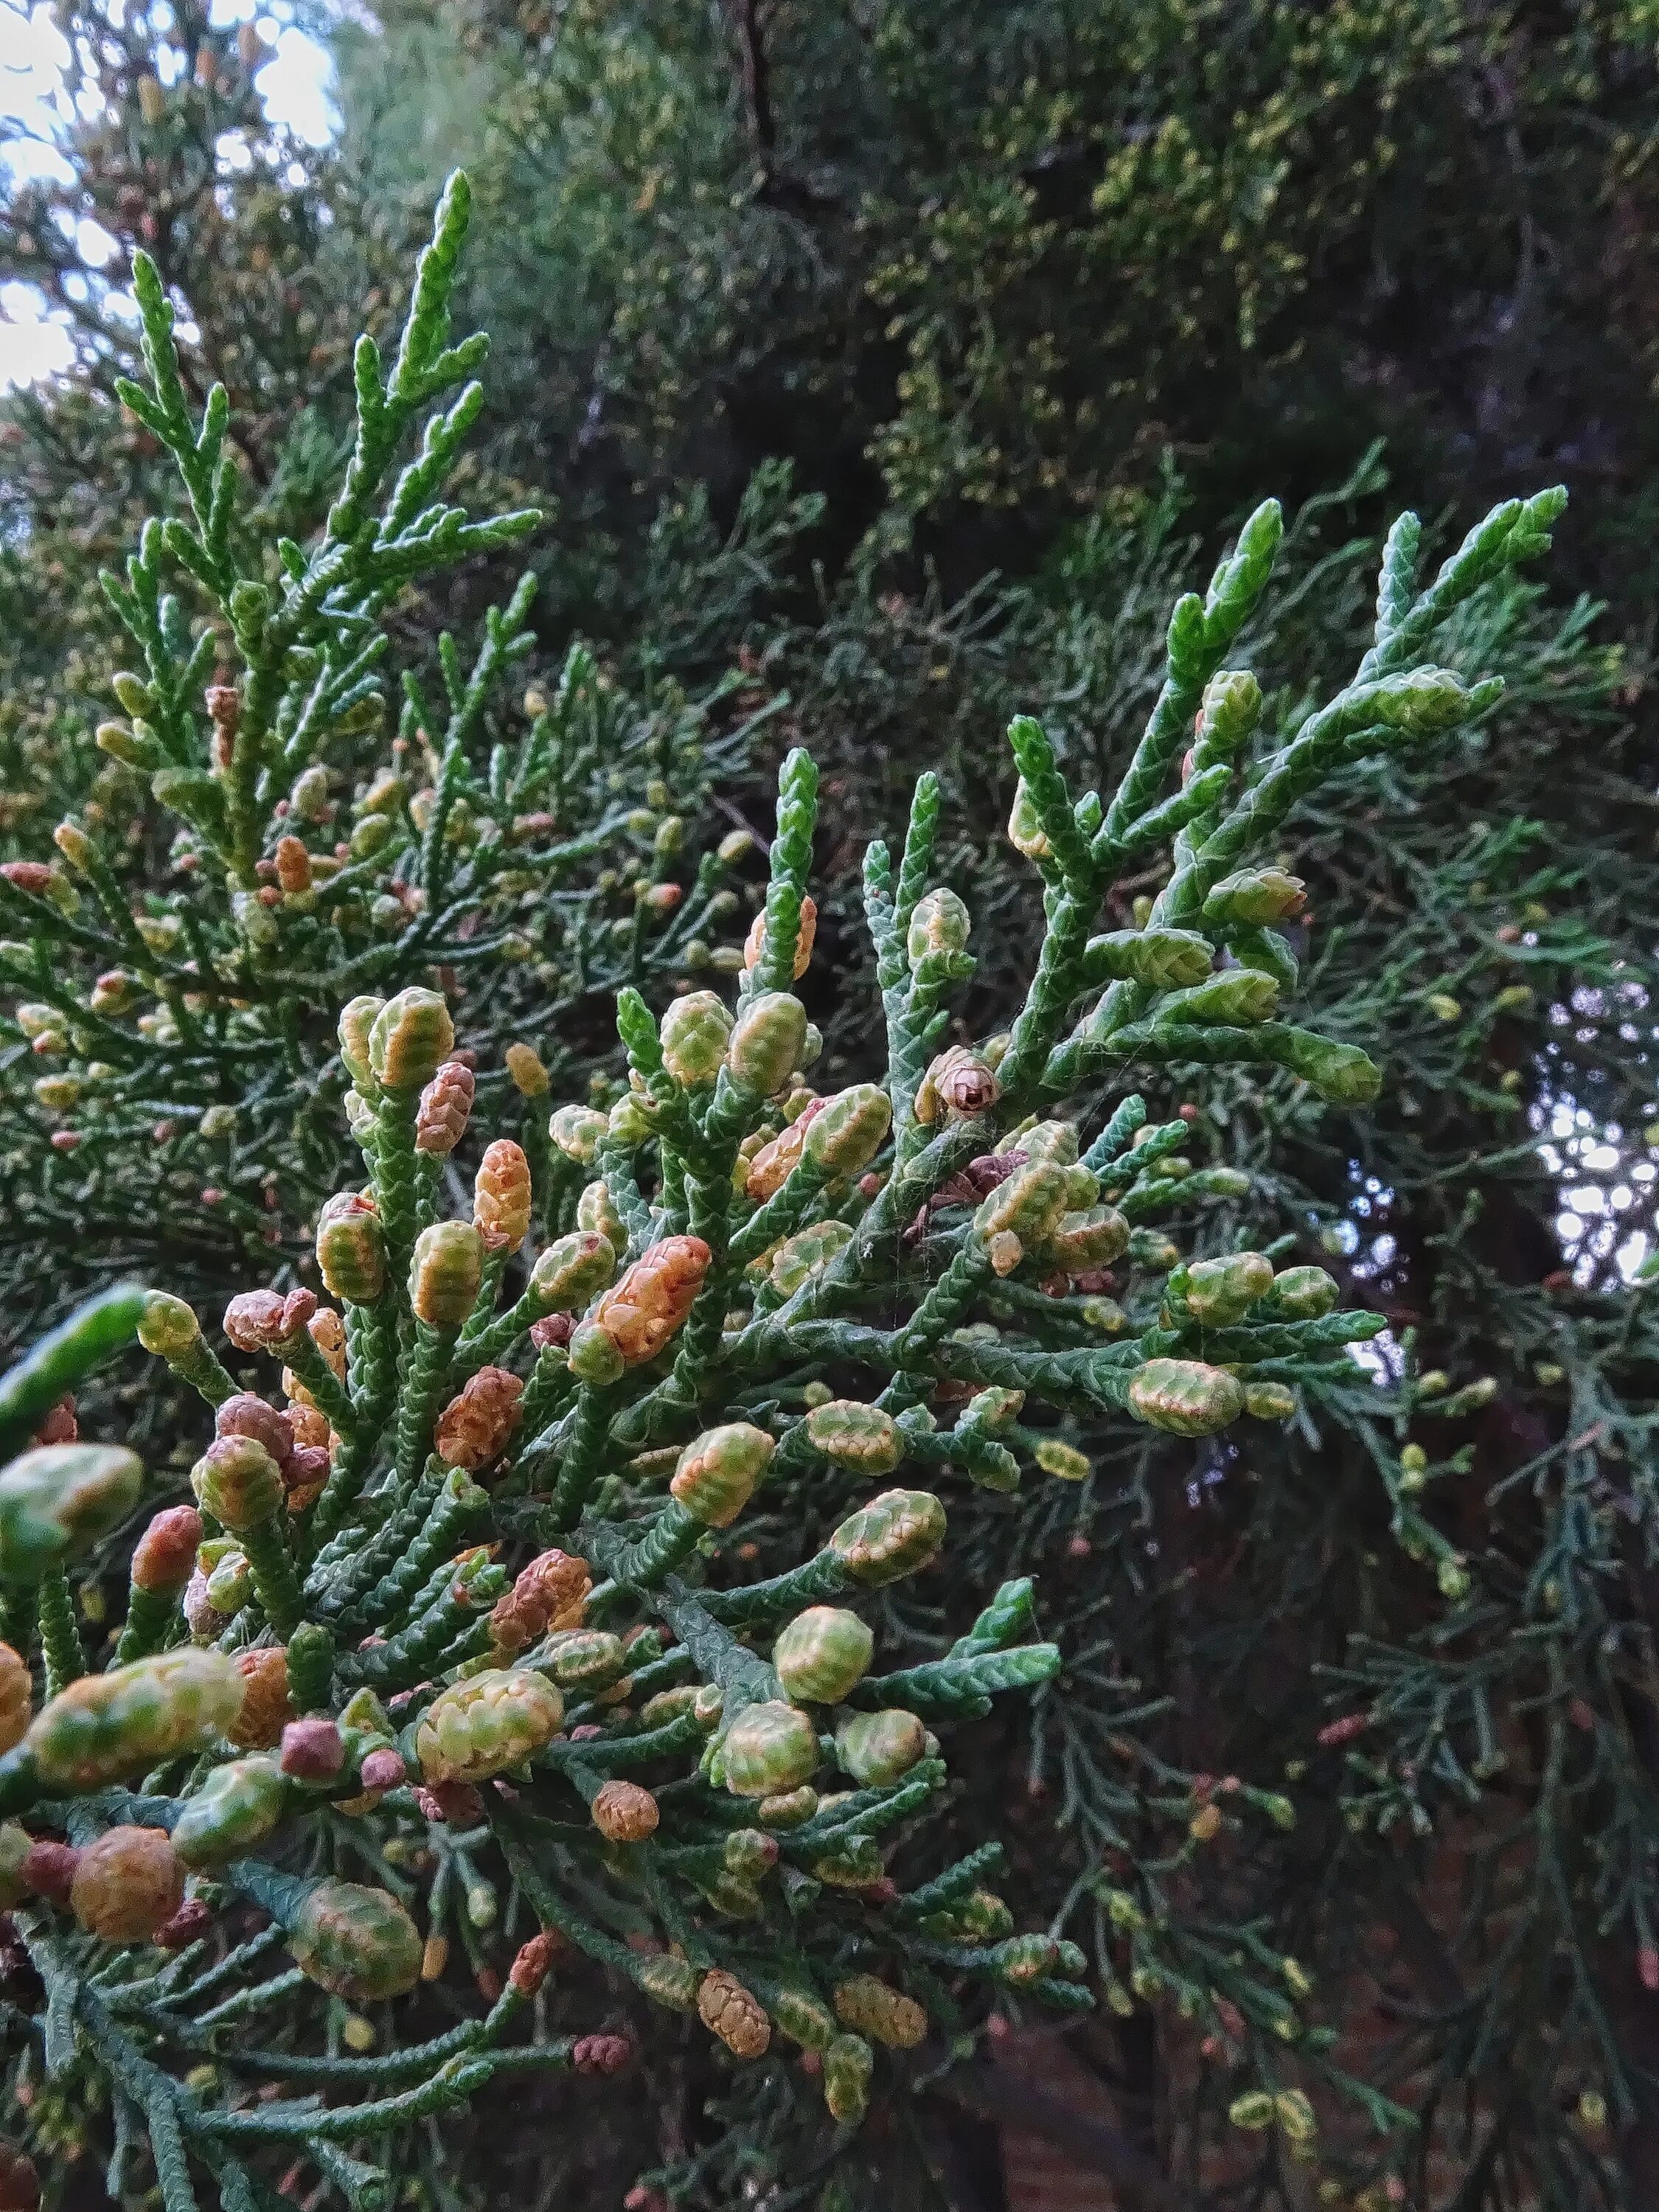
861, 1438
734, 2014
446, 1104
550, 1593
351, 1253
265, 1709
694, 1030
445, 1272
127, 1884
716, 1474
623, 1813
355, 1941
105, 1728
766, 1041
408, 1039
476, 1426
640, 1313
501, 1205
58, 1500
238, 1483
769, 1748
823, 1655
487, 1725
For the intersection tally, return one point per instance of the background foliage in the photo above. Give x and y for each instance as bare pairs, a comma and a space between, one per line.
884, 370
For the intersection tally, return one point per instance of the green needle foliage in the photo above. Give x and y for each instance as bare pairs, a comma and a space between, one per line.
165, 1051
467, 1590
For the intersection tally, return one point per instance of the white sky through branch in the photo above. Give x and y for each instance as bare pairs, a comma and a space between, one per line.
293, 86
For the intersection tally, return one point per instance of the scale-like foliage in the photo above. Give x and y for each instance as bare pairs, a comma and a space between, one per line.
465, 1576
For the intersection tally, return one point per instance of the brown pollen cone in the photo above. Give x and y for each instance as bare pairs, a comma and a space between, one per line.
477, 1425
265, 1708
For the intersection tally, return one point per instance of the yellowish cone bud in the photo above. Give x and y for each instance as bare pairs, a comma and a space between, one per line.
445, 1272
765, 1045
862, 1438
892, 1536
1185, 1397
734, 2014
501, 1199
411, 1034
823, 1655
869, 2008
487, 1724
769, 1748
694, 1030
523, 1065
357, 1942
717, 1472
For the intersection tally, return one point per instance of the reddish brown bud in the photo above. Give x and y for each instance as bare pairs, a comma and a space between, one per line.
246, 1415
1344, 1730
309, 1426
624, 1812
192, 1921
601, 2054
264, 1321
534, 1961
641, 1313
476, 1426
549, 1592
164, 1558
440, 1121
776, 1161
458, 1803
60, 1427
49, 1871
224, 705
34, 877
553, 1332
501, 1195
293, 864
127, 1885
313, 1749
306, 1469
384, 1769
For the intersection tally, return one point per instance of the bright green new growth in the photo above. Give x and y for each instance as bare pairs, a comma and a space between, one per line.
496, 1557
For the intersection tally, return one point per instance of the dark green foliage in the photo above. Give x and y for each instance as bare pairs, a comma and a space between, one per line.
970, 267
